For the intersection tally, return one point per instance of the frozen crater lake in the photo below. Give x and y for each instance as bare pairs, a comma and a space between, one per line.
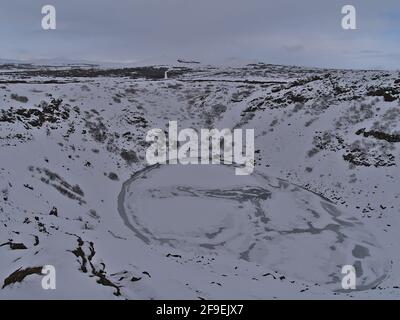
208, 210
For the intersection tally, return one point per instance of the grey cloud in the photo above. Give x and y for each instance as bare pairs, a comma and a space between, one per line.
294, 48
288, 32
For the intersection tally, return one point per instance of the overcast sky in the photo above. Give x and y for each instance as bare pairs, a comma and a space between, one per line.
300, 32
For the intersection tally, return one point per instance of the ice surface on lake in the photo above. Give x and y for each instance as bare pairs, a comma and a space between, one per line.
265, 220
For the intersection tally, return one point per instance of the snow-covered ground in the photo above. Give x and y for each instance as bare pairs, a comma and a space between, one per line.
76, 192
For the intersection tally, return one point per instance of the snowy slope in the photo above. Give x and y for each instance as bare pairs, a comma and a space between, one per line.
325, 192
